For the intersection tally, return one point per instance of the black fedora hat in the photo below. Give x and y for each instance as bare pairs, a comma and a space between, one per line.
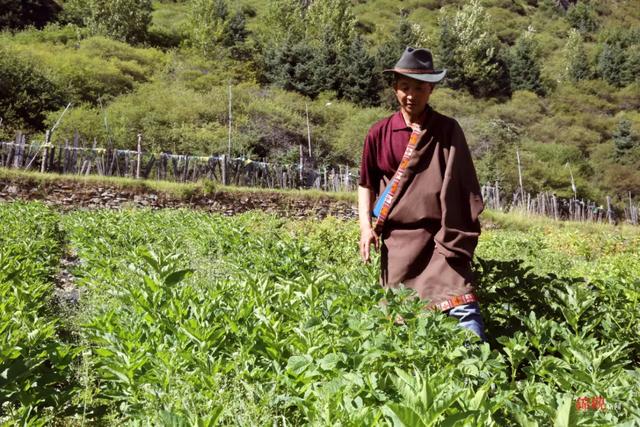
417, 64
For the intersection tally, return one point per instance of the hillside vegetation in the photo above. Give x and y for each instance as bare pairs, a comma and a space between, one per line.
560, 85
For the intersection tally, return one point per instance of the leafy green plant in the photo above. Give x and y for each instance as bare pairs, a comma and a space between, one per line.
197, 319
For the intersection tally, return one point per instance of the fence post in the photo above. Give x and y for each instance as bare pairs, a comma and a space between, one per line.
301, 164
44, 152
17, 159
325, 179
520, 175
346, 179
139, 156
223, 168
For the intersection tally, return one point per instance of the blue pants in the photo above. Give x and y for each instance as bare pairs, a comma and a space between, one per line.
469, 317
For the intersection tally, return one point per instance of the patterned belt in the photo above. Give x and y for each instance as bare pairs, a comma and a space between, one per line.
453, 302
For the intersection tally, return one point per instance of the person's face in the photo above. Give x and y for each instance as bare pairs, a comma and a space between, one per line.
413, 95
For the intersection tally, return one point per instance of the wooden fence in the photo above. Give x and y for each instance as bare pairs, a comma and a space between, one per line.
72, 158
549, 205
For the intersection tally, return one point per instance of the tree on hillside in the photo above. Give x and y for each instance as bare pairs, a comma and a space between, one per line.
207, 24
611, 63
284, 20
333, 18
524, 67
296, 66
314, 47
577, 65
631, 71
330, 28
619, 58
75, 12
125, 20
471, 52
214, 31
17, 14
582, 17
26, 95
623, 139
358, 78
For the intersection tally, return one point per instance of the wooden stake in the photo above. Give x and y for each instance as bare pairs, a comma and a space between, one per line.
306, 108
223, 170
17, 160
44, 152
573, 183
520, 174
229, 147
301, 164
139, 156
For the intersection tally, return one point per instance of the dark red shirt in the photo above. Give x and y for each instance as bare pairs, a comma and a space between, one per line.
383, 149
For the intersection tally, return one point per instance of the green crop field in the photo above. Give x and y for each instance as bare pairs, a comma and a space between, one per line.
188, 318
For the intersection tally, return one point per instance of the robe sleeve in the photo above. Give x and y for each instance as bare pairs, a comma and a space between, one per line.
460, 201
369, 170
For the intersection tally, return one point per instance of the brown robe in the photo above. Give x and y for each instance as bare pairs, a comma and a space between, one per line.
432, 228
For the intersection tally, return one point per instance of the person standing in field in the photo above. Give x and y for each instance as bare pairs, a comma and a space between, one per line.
419, 198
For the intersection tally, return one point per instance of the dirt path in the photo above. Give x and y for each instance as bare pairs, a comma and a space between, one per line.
69, 195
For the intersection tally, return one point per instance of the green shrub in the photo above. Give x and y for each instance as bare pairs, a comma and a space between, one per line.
36, 364
26, 94
125, 20
23, 13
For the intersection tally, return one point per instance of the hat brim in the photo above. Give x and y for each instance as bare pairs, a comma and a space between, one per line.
434, 77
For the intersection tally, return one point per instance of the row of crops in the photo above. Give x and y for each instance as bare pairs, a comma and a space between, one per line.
188, 318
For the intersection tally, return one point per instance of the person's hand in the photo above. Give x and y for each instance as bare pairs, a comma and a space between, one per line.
367, 238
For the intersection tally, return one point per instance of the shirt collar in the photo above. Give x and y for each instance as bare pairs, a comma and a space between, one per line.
398, 123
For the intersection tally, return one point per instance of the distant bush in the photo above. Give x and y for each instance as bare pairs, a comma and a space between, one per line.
26, 94
98, 68
619, 59
524, 65
124, 20
17, 14
582, 17
577, 66
54, 33
471, 52
524, 109
147, 60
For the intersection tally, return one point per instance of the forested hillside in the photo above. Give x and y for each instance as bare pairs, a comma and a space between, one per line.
557, 80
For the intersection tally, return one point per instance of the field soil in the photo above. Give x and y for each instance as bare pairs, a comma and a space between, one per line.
69, 195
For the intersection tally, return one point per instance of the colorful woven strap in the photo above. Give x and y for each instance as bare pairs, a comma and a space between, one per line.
384, 203
453, 302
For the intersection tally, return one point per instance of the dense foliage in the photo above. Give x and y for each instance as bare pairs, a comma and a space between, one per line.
554, 82
17, 14
36, 365
188, 318
26, 94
